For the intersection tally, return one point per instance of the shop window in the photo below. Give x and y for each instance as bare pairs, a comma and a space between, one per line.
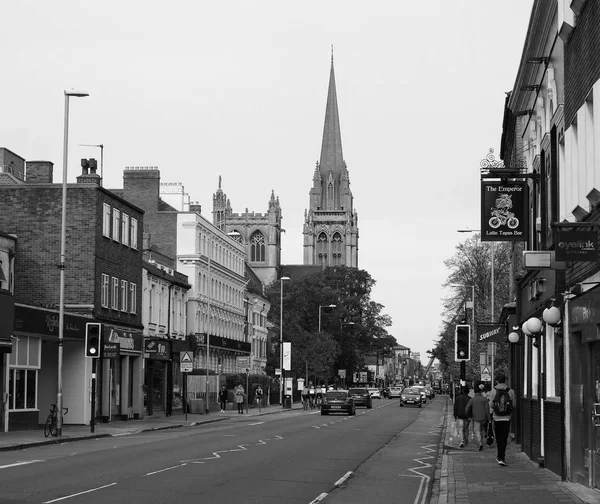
24, 363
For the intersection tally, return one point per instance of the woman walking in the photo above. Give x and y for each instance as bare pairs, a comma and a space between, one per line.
239, 398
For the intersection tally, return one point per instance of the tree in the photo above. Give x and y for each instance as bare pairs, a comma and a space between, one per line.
471, 266
348, 331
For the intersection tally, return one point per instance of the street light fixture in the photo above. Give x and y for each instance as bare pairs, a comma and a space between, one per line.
324, 306
63, 236
281, 337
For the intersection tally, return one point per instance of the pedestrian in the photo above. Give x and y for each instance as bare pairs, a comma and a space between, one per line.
239, 398
223, 398
478, 408
503, 405
259, 397
460, 415
305, 397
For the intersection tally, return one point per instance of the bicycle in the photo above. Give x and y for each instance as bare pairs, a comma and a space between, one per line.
51, 422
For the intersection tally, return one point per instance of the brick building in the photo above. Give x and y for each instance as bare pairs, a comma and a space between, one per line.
103, 279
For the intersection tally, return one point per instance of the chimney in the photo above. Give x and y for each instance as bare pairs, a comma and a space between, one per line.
39, 172
196, 207
88, 177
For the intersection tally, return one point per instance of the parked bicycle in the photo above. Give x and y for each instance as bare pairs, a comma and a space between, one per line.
51, 426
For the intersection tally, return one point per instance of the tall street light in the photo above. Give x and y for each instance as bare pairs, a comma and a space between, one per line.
324, 306
281, 336
491, 346
63, 236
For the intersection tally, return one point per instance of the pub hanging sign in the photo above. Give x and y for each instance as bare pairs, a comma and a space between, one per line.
504, 211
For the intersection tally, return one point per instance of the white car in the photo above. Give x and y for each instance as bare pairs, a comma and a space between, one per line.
375, 393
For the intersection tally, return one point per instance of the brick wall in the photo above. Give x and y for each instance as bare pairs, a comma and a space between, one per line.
34, 215
582, 64
39, 172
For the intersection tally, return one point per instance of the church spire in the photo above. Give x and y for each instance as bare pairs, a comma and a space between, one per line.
331, 148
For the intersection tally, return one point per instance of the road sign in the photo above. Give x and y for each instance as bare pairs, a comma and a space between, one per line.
186, 362
486, 375
242, 363
342, 373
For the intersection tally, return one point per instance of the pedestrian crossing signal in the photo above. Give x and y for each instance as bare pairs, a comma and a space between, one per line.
462, 343
93, 332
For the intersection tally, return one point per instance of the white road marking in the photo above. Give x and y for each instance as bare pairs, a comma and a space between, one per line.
256, 423
343, 478
163, 470
319, 498
20, 463
80, 493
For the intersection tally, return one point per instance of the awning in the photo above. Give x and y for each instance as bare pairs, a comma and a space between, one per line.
5, 345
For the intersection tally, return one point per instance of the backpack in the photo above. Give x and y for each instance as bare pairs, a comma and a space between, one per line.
502, 404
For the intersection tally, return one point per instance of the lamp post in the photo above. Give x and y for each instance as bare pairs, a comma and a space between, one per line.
281, 336
63, 236
320, 308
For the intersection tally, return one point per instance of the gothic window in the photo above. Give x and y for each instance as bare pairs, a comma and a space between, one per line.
257, 247
336, 249
322, 248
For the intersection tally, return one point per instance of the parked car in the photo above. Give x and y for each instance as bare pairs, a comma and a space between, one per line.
395, 392
411, 395
375, 394
361, 397
338, 401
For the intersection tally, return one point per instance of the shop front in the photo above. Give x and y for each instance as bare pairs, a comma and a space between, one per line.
7, 319
120, 374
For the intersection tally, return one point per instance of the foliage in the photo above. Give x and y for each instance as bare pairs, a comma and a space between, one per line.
349, 331
471, 266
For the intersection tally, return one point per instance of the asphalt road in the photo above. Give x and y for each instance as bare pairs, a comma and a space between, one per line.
281, 458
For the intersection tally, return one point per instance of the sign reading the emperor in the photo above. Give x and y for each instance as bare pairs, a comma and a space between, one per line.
504, 211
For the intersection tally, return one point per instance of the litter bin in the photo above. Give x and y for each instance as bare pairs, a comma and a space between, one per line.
288, 402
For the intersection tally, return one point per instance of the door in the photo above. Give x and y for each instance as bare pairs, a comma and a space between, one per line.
594, 410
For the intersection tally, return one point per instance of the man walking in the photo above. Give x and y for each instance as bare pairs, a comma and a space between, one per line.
460, 414
503, 405
479, 408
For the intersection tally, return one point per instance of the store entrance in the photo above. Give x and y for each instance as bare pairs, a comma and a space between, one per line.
594, 413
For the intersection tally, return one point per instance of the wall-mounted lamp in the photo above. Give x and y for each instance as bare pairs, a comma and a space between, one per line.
514, 337
539, 60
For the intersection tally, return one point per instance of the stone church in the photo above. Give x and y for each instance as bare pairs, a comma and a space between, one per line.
331, 223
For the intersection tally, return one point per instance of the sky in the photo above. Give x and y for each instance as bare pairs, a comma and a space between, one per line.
202, 89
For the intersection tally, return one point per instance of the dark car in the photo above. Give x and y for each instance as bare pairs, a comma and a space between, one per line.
411, 395
361, 397
338, 401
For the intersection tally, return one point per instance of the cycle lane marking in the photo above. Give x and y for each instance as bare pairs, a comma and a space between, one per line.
79, 493
20, 463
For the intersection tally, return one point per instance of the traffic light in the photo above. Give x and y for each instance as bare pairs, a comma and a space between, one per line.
462, 343
93, 332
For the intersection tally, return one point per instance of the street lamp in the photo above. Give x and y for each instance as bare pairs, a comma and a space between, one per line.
281, 336
324, 306
63, 236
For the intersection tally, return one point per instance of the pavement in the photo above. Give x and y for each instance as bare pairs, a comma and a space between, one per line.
462, 475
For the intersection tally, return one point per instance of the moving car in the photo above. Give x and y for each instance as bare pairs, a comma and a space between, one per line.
374, 393
386, 392
338, 401
411, 395
395, 392
423, 391
361, 397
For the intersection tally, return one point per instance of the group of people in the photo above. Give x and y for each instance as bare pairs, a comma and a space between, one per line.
239, 396
488, 410
312, 397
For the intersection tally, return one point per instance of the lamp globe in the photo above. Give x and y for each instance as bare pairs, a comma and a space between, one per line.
526, 331
534, 325
551, 315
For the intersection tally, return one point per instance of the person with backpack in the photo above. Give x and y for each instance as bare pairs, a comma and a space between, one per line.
461, 416
503, 406
479, 408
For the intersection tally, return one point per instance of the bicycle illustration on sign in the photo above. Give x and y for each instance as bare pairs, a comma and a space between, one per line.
501, 214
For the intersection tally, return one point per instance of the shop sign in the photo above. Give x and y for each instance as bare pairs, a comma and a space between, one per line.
110, 350
223, 343
577, 245
127, 339
45, 322
488, 333
504, 211
157, 349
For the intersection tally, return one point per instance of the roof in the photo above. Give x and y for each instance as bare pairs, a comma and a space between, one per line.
331, 148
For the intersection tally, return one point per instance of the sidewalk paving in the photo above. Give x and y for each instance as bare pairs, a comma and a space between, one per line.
18, 440
466, 475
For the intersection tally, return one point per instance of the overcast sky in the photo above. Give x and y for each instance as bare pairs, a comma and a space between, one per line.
238, 88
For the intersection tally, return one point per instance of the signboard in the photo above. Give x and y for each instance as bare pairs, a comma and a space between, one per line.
242, 363
110, 346
487, 333
504, 211
342, 373
186, 362
225, 343
157, 349
542, 259
363, 376
577, 245
486, 375
287, 355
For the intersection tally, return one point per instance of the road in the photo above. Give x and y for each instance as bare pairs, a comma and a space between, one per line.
285, 457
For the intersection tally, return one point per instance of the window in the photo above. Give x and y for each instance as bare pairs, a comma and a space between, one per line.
115, 294
132, 298
336, 245
125, 229
116, 224
134, 233
322, 248
106, 220
24, 363
105, 291
124, 295
257, 247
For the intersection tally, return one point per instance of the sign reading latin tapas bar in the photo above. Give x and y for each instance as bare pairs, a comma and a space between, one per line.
504, 211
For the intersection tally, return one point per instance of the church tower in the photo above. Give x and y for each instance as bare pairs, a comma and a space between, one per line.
331, 224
